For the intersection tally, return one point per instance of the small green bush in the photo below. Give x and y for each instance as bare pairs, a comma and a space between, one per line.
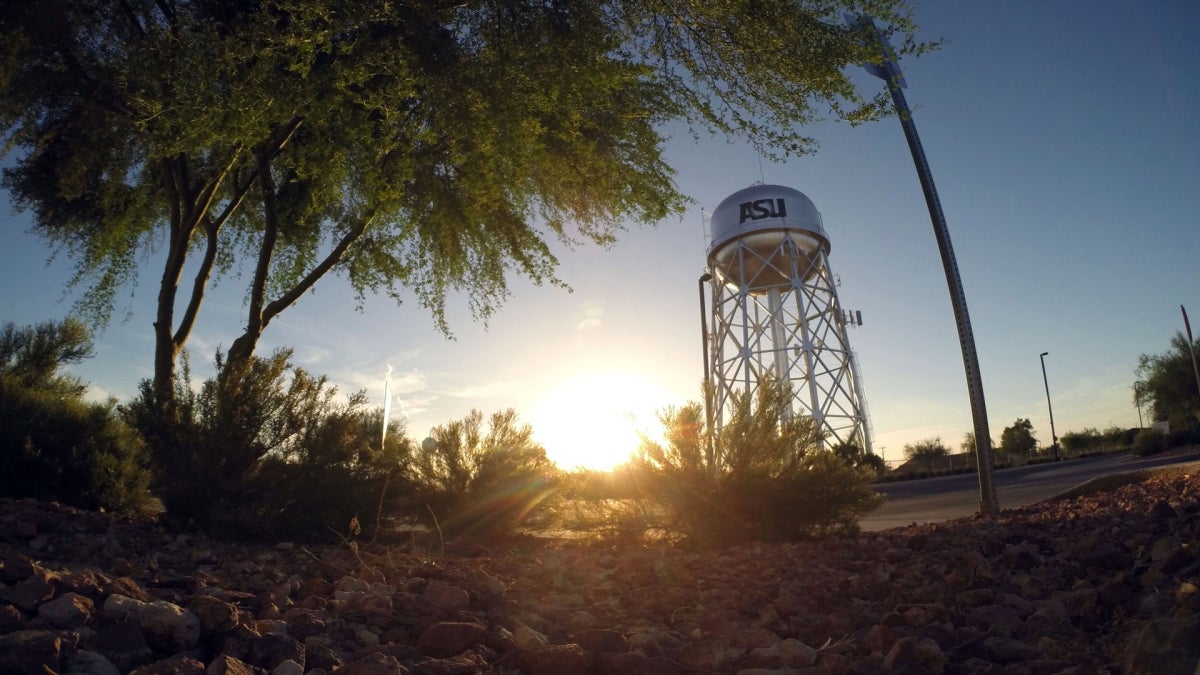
266, 449
471, 482
53, 443
768, 478
1149, 442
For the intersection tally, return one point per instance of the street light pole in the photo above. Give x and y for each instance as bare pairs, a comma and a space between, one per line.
889, 72
1137, 398
708, 413
1054, 447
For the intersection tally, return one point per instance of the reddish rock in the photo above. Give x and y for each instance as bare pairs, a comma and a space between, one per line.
228, 665
38, 587
601, 640
449, 638
175, 665
215, 615
444, 598
31, 652
633, 663
916, 654
68, 611
373, 664
556, 660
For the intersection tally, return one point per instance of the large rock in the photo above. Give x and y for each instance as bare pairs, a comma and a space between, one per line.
168, 626
556, 660
32, 652
448, 638
68, 611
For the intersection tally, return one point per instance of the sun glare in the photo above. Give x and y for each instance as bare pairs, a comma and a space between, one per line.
594, 421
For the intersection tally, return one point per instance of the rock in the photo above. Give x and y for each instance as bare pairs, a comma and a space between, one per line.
528, 638
444, 598
265, 651
228, 665
789, 653
68, 611
1170, 645
917, 654
86, 662
38, 587
168, 626
633, 663
17, 568
31, 652
175, 665
123, 643
600, 640
119, 607
555, 660
448, 638
215, 615
373, 664
1007, 650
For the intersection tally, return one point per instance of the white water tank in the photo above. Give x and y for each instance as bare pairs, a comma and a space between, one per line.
750, 229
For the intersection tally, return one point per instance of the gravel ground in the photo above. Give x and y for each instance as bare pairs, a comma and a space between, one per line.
1100, 583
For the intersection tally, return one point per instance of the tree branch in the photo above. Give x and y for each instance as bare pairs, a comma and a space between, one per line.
335, 256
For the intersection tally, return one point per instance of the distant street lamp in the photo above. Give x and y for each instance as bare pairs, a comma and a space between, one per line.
1054, 447
708, 416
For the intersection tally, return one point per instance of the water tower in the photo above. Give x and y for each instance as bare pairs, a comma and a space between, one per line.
776, 312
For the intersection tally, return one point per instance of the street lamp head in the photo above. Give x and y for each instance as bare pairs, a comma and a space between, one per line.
707, 276
1045, 353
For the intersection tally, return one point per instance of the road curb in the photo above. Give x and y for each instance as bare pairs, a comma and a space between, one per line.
1115, 480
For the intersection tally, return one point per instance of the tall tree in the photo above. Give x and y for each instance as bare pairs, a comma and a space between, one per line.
1018, 438
1167, 383
419, 146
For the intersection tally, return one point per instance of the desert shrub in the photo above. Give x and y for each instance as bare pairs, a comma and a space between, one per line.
53, 443
1075, 443
767, 479
469, 480
1149, 442
266, 449
927, 453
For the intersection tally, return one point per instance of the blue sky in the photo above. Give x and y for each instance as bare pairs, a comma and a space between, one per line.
1064, 143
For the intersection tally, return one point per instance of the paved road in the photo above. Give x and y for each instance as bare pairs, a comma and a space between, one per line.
937, 499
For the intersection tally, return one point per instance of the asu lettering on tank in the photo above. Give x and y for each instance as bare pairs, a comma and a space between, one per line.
762, 208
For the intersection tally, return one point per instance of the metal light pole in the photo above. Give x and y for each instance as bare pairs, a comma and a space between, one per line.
1054, 447
1137, 398
708, 421
889, 72
1191, 345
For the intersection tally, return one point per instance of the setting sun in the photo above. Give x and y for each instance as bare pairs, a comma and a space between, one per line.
594, 421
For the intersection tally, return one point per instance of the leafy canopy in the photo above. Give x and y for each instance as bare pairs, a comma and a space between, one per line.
1167, 384
422, 146
1018, 438
926, 451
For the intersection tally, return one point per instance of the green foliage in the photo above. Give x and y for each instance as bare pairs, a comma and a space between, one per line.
53, 443
768, 479
265, 448
33, 356
1167, 384
1079, 442
1017, 439
1091, 441
926, 452
412, 147
472, 481
856, 457
1149, 442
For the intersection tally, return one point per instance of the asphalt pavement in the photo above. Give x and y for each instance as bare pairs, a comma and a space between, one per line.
947, 497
